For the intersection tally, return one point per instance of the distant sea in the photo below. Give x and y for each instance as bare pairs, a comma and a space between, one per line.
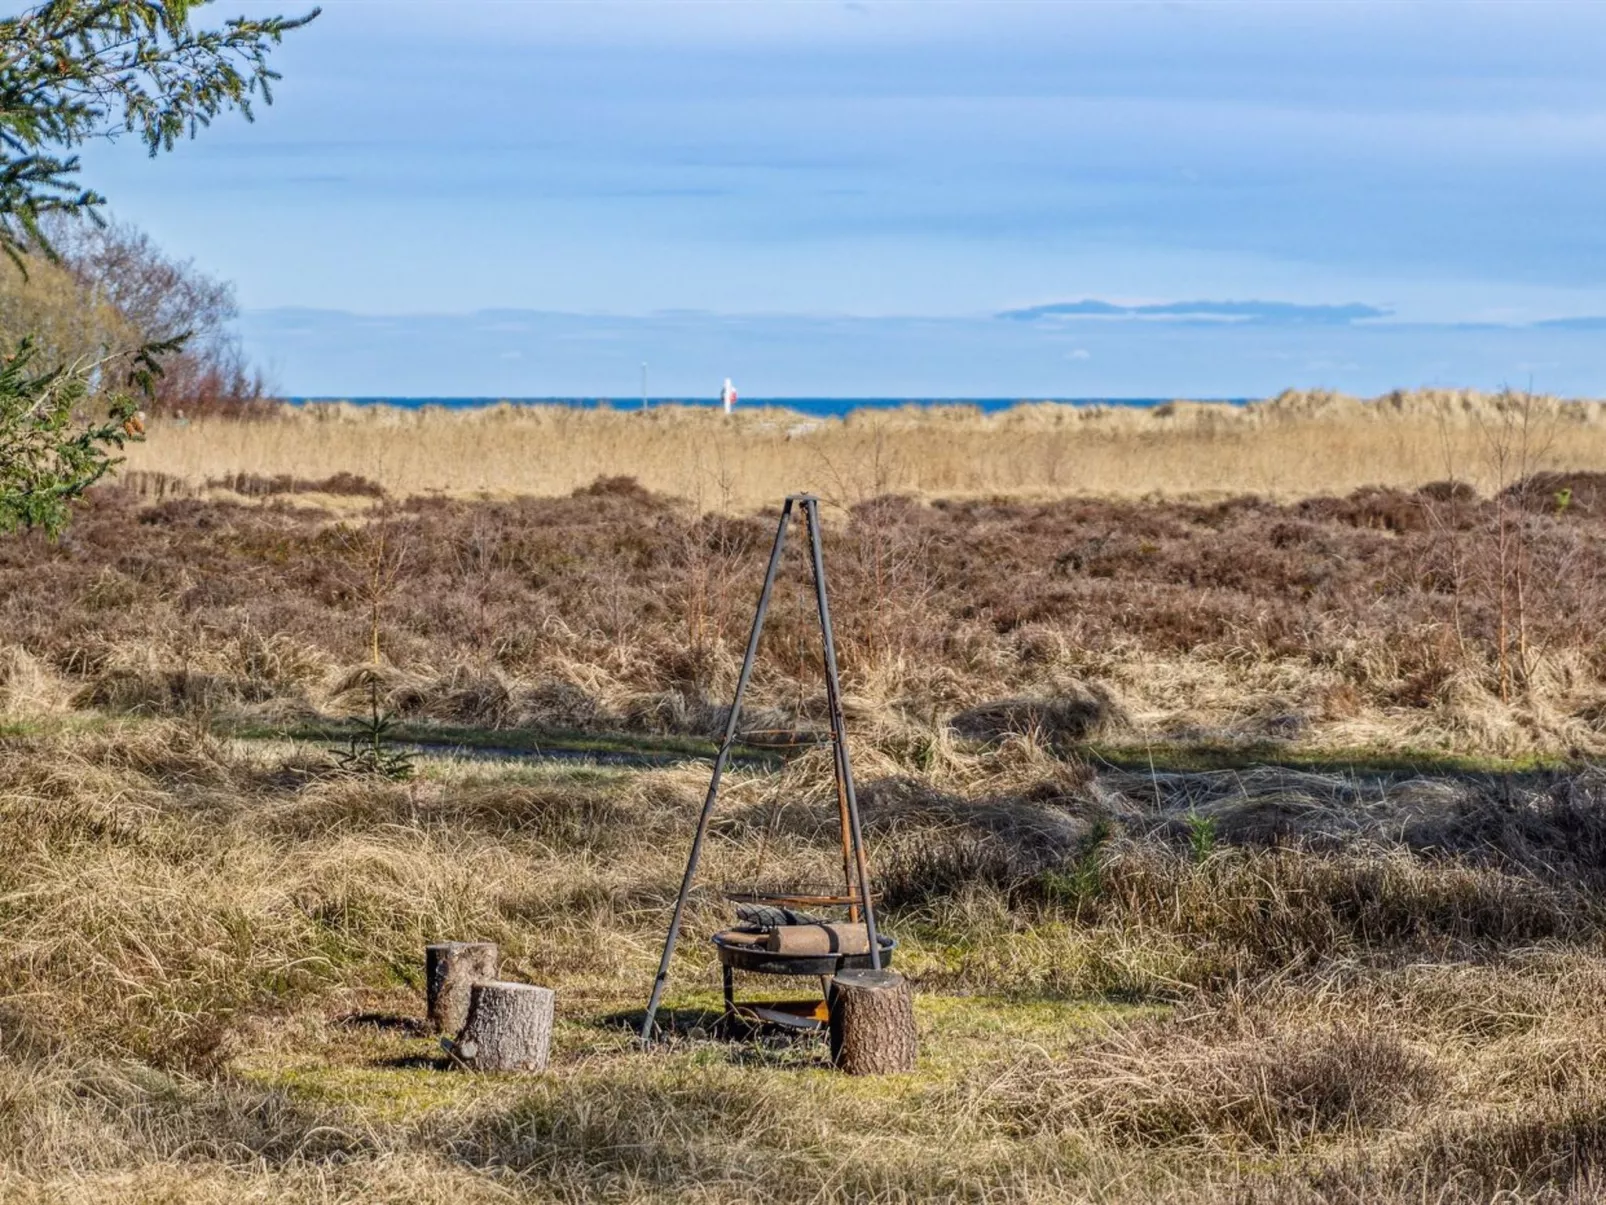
821, 407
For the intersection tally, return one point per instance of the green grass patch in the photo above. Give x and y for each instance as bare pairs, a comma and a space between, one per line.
393, 1076
1188, 757
524, 741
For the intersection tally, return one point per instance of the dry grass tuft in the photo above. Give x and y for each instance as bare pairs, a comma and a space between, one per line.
1183, 1083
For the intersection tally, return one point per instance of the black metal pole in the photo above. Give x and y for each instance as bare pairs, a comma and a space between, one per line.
850, 873
833, 694
719, 772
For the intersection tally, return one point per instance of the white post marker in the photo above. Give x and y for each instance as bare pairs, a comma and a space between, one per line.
727, 396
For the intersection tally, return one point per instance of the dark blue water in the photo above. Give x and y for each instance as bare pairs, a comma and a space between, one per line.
821, 407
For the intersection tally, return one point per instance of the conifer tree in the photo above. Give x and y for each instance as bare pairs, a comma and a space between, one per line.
72, 71
48, 458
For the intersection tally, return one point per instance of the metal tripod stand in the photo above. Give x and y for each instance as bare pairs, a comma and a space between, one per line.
855, 869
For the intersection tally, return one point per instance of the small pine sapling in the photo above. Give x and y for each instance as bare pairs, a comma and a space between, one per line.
369, 753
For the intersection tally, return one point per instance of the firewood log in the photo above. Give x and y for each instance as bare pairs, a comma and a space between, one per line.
819, 939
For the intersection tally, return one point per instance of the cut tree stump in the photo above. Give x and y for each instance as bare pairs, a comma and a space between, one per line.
509, 1028
450, 970
872, 1023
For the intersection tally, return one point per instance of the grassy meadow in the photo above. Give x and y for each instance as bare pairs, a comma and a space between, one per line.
1228, 777
1279, 986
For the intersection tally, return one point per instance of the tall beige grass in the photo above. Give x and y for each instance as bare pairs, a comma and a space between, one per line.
1296, 445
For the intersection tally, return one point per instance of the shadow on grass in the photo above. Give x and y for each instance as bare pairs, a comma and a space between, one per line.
787, 1050
1187, 756
633, 750
412, 1027
670, 1023
414, 1062
745, 1043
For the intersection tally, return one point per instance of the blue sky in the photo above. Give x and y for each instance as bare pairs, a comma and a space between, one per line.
881, 198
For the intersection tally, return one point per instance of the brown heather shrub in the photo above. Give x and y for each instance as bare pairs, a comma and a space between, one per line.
1266, 867
1551, 492
1075, 715
1241, 621
1563, 1147
1259, 911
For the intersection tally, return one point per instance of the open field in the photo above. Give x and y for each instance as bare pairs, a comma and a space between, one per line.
1273, 987
1295, 446
1360, 962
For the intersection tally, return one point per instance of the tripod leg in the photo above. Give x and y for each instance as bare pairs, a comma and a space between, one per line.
838, 751
713, 783
833, 695
838, 748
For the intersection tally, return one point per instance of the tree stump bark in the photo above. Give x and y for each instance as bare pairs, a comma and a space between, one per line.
450, 970
872, 1023
509, 1028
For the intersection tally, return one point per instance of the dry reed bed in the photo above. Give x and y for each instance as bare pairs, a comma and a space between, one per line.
1294, 446
211, 955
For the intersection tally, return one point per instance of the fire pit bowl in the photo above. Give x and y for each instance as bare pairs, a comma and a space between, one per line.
743, 950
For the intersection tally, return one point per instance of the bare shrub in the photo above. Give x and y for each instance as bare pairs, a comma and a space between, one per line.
254, 485
160, 297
